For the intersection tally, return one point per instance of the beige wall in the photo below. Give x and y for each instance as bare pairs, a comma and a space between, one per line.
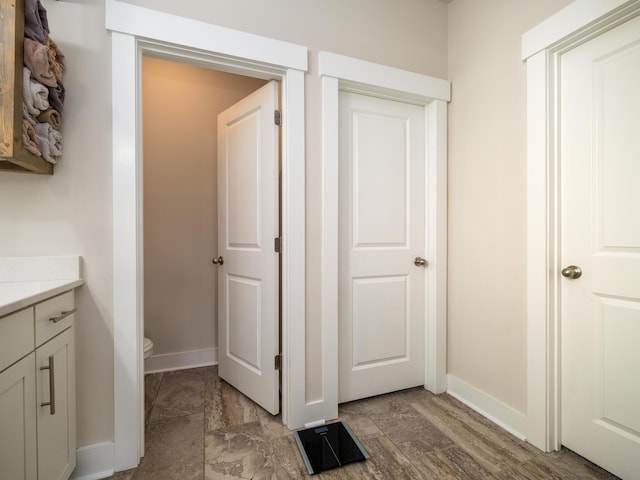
180, 107
487, 194
408, 34
70, 213
378, 31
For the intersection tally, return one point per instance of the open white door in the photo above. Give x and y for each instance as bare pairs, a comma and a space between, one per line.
382, 242
600, 171
248, 320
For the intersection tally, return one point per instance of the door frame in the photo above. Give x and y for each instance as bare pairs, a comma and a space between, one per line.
337, 73
541, 49
137, 31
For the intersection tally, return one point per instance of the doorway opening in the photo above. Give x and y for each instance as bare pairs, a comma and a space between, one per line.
137, 31
541, 48
180, 105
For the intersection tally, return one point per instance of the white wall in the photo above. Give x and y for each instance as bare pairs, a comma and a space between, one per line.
487, 194
180, 107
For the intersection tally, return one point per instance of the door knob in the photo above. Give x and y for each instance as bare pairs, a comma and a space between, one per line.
218, 260
420, 262
571, 272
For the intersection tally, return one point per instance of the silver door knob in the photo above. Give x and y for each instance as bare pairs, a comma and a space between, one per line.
571, 272
218, 261
420, 262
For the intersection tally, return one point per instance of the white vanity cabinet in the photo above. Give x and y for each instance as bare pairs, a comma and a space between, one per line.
18, 420
37, 391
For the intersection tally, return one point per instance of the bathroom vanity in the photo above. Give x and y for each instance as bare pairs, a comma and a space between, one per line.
37, 367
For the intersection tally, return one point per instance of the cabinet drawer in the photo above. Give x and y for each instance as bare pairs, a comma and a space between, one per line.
16, 336
54, 316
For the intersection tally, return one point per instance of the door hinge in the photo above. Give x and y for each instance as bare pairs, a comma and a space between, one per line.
277, 245
277, 361
277, 117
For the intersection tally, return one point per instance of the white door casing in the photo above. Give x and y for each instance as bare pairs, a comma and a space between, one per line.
248, 196
381, 230
135, 31
600, 232
341, 73
542, 48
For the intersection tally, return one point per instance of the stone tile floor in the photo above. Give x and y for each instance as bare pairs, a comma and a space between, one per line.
199, 427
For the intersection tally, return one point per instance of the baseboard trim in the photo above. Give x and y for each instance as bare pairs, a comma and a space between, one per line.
94, 461
500, 413
181, 360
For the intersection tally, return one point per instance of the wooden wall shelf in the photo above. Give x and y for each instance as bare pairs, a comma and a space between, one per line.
13, 157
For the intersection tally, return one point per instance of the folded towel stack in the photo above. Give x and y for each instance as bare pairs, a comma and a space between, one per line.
43, 92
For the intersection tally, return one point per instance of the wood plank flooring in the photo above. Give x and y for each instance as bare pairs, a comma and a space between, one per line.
198, 427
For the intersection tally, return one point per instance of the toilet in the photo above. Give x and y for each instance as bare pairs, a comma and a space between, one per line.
148, 347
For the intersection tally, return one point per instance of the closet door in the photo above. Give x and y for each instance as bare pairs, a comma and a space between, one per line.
381, 247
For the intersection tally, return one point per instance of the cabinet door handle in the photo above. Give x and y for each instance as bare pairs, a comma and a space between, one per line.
52, 387
63, 315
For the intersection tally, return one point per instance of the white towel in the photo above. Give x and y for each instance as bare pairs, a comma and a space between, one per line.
34, 94
26, 115
50, 141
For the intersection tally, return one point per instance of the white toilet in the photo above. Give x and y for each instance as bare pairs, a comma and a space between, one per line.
148, 347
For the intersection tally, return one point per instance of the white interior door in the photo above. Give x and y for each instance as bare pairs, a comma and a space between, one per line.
382, 231
600, 218
248, 320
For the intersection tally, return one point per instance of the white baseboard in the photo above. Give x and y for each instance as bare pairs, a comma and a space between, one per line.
181, 360
94, 462
498, 412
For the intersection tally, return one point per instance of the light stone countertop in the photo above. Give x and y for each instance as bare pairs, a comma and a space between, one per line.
28, 280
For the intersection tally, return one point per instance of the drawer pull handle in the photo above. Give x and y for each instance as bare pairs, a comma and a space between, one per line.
52, 387
62, 315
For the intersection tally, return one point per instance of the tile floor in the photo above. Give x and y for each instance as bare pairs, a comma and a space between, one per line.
198, 427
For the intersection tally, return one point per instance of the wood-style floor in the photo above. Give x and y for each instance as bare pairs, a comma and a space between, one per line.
198, 427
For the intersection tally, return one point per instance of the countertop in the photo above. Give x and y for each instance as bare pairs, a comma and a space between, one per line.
28, 280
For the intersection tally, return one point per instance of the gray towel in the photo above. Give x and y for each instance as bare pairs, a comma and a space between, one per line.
34, 94
50, 141
36, 24
56, 97
26, 115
